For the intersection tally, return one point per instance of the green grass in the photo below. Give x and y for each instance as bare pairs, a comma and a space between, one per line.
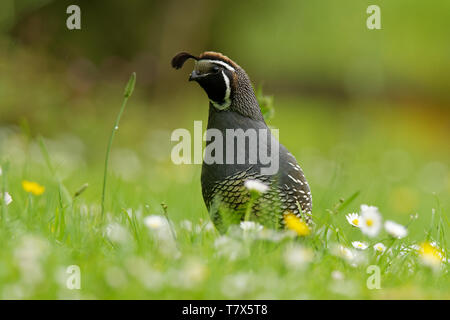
354, 153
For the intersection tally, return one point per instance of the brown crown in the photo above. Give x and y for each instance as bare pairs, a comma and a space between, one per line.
180, 58
218, 56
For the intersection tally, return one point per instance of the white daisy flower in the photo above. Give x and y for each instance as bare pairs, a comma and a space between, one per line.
161, 230
186, 225
337, 275
255, 185
117, 233
395, 230
370, 223
250, 226
6, 197
229, 247
343, 252
359, 245
155, 222
379, 247
354, 219
297, 256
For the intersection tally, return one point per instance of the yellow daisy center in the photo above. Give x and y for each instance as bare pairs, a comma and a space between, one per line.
369, 222
355, 221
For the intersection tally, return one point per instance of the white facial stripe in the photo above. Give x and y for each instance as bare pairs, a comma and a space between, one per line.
224, 64
227, 83
227, 101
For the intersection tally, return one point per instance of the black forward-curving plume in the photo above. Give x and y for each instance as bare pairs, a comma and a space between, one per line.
233, 105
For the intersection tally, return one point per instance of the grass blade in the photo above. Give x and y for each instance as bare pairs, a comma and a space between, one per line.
127, 93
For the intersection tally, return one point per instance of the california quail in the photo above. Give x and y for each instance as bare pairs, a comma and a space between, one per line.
233, 106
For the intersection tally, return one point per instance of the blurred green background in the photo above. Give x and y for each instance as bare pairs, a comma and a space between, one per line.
362, 110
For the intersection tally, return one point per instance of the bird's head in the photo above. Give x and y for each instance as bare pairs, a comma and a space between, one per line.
226, 84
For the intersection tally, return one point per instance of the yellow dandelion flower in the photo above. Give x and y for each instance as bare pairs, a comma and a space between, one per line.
296, 224
430, 255
33, 187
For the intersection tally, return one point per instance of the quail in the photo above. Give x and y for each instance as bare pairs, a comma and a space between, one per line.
233, 108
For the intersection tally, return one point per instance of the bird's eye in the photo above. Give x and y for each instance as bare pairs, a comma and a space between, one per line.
215, 69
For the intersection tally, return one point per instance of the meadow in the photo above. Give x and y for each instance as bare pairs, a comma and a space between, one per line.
155, 239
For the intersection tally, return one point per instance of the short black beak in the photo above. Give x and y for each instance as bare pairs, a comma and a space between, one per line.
195, 76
